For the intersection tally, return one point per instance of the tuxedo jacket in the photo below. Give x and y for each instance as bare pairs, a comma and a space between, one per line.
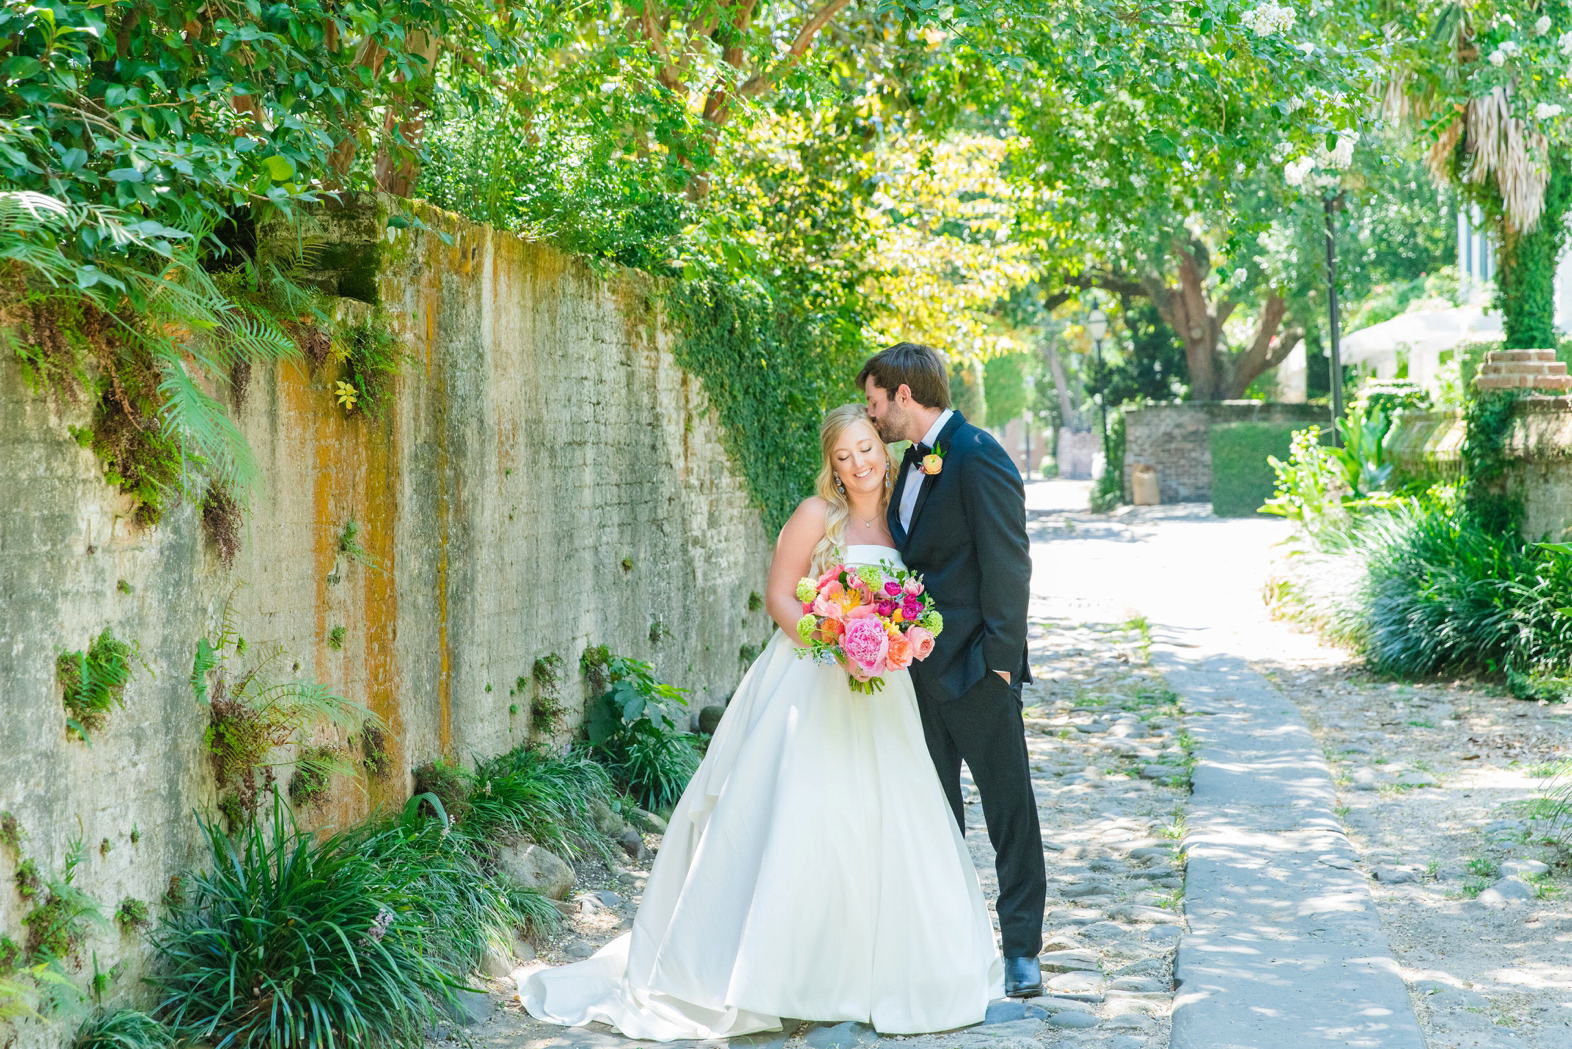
968, 540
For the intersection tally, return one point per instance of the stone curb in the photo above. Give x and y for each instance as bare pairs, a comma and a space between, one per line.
1284, 944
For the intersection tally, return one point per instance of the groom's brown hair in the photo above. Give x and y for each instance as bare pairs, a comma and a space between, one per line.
921, 368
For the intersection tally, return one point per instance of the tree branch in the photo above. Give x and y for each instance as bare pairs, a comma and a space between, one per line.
1260, 355
756, 85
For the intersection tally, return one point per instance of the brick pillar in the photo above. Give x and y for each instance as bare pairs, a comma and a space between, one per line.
1522, 370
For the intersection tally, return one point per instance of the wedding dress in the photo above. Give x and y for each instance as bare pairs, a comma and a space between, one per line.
812, 869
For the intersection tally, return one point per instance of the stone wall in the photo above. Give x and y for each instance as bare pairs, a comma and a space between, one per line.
546, 478
1538, 447
1176, 440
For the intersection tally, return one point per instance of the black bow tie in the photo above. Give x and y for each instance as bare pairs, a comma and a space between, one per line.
915, 454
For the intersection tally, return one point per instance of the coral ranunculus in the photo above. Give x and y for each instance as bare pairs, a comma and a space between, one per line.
900, 653
921, 642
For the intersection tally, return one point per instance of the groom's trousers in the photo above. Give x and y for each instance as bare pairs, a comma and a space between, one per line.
984, 729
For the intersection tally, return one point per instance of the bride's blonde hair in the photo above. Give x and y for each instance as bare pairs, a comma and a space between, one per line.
831, 549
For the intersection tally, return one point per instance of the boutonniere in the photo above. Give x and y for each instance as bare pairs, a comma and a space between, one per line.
933, 462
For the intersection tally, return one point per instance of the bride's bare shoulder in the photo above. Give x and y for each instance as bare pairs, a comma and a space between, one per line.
807, 521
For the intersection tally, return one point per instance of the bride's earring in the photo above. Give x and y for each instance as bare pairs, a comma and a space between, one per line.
889, 476
841, 488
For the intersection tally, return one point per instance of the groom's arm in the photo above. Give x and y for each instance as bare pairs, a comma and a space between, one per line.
995, 502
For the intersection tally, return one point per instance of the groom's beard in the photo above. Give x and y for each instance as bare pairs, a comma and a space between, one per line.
892, 428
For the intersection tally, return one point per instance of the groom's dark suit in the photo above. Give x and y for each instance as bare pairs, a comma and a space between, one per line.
968, 539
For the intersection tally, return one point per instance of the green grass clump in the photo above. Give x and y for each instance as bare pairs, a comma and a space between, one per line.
459, 900
537, 794
297, 940
122, 1029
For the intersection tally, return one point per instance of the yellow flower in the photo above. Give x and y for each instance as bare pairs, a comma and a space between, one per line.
347, 395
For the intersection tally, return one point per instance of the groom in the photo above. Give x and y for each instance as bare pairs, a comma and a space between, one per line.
958, 515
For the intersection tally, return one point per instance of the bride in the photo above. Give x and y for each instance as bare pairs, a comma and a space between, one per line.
813, 868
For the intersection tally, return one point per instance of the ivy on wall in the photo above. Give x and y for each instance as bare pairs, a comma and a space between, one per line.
772, 363
1487, 419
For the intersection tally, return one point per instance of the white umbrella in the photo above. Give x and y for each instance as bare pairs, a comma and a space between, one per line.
1422, 332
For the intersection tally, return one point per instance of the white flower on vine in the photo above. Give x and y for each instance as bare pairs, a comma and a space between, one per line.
1294, 105
1240, 274
1270, 17
1306, 47
1565, 43
1510, 47
1341, 155
1498, 57
1546, 110
1542, 25
1296, 171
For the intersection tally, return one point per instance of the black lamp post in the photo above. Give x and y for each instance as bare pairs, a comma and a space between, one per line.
1335, 365
1097, 328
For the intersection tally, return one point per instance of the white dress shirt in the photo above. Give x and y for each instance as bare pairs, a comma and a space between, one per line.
914, 473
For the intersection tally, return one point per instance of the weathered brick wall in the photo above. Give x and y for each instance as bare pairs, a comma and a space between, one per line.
1176, 440
546, 478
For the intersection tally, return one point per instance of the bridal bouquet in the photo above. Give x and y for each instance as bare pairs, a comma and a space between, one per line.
871, 619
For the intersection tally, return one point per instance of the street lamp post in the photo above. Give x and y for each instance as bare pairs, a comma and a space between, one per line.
1335, 364
1097, 328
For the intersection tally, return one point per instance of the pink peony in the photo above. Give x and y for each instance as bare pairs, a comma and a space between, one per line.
866, 644
885, 608
911, 608
900, 654
921, 641
861, 612
833, 573
914, 586
892, 588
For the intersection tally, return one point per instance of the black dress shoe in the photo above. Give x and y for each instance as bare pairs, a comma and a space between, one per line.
1023, 978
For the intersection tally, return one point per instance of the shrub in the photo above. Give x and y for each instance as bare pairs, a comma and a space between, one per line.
547, 798
631, 731
1242, 476
131, 914
57, 926
295, 940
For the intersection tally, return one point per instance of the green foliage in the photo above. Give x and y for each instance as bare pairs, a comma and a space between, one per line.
58, 923
131, 914
545, 797
546, 709
1310, 483
374, 750
296, 939
445, 781
95, 681
251, 713
28, 881
1242, 476
335, 638
773, 360
1108, 492
122, 1029
595, 665
457, 897
563, 182
11, 832
1152, 368
1526, 261
631, 731
372, 360
312, 780
1487, 420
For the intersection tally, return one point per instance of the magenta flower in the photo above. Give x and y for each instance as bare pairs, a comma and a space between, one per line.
886, 608
865, 644
911, 608
892, 588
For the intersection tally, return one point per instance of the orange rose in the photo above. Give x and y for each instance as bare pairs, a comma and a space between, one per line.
900, 653
932, 464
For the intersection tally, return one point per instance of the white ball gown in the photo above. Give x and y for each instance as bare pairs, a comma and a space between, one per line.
812, 869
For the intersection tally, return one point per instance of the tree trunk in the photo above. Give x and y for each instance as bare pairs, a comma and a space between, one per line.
1067, 412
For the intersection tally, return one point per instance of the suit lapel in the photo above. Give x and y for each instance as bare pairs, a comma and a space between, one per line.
957, 420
